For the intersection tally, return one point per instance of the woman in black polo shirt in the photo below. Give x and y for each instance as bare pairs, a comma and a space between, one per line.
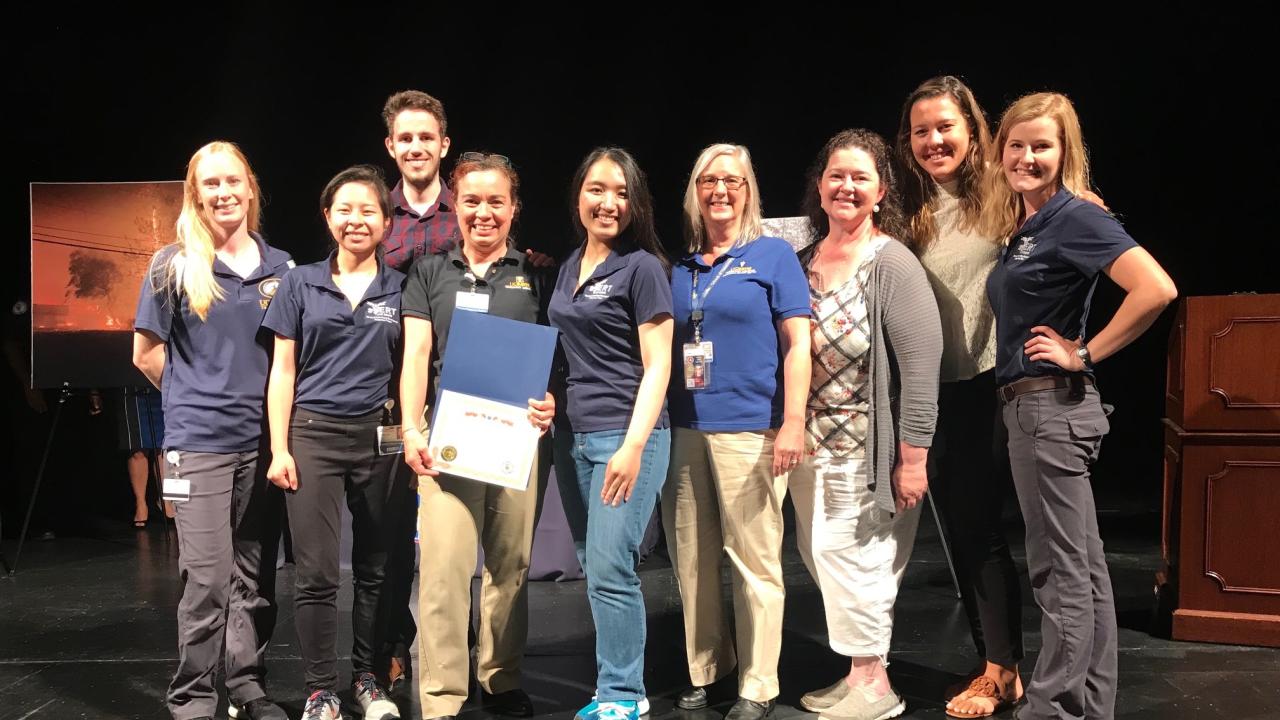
1056, 246
485, 273
337, 328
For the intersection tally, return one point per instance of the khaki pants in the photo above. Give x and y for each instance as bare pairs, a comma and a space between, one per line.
721, 498
455, 516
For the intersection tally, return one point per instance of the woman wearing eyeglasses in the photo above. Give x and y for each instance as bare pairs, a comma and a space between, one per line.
484, 274
737, 412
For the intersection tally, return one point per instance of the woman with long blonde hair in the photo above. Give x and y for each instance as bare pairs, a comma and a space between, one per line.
1056, 245
195, 337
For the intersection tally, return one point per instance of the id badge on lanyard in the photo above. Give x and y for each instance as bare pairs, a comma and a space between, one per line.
699, 354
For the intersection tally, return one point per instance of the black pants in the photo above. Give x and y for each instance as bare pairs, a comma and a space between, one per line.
336, 456
401, 565
969, 477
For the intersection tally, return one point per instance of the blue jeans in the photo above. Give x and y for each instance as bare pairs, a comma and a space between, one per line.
608, 539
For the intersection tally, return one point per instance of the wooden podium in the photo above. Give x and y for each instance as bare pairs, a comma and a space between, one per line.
1221, 535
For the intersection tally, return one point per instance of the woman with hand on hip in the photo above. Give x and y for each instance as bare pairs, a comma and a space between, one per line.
196, 338
1056, 246
484, 273
337, 333
872, 407
742, 337
612, 305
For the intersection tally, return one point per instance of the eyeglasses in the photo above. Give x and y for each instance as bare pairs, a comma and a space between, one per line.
731, 182
482, 157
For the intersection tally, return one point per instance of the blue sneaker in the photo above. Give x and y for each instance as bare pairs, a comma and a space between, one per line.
642, 706
616, 710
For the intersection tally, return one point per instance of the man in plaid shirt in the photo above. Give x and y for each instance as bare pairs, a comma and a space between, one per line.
423, 219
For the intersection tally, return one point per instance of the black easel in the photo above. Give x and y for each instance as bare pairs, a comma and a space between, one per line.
64, 394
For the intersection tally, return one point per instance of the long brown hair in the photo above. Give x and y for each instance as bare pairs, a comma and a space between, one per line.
918, 188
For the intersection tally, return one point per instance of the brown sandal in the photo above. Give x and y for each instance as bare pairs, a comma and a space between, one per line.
982, 688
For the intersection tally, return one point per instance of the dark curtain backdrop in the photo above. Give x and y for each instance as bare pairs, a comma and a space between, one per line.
1171, 104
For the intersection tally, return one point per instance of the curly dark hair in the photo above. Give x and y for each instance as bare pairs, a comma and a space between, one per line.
890, 219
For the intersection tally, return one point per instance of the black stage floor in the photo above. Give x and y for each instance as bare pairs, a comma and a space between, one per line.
87, 631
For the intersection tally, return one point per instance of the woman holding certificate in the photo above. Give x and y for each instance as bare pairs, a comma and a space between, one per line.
612, 305
483, 274
742, 335
337, 330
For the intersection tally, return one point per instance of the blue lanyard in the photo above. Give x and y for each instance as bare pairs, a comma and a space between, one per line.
696, 316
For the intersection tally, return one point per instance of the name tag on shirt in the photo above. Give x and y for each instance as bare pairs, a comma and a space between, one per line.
472, 301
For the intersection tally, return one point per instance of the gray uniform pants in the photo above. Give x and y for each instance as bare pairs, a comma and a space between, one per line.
1053, 442
227, 537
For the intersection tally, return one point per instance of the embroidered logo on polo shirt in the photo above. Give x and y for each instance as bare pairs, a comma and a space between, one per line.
1025, 246
742, 269
598, 290
267, 289
380, 312
518, 283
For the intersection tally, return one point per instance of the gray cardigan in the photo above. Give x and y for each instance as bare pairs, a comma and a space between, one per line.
906, 348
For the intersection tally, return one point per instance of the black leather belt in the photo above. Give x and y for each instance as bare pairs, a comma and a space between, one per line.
1007, 393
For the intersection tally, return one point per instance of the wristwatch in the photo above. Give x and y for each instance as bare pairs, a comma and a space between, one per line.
1082, 352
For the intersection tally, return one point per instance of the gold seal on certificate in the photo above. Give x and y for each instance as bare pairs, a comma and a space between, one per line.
484, 440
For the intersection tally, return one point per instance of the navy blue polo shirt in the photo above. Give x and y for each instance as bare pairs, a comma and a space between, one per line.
762, 284
215, 374
599, 334
1046, 276
345, 357
516, 290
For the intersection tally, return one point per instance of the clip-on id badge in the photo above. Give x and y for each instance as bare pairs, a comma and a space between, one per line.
697, 365
390, 440
473, 301
175, 489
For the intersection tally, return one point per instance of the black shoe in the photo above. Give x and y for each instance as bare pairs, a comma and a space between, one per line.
746, 709
695, 698
260, 709
512, 703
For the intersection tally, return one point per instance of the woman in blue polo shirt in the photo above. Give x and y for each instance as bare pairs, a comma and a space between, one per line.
337, 334
1057, 245
612, 305
742, 339
196, 338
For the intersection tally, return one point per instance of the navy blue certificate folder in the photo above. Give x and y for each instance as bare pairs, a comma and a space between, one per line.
507, 361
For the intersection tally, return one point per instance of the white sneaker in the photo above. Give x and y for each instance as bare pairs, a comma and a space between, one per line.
322, 705
374, 703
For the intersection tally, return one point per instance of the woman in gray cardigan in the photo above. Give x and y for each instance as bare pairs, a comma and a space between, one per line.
876, 346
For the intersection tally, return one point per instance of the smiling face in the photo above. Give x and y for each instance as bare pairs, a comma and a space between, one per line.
355, 218
1031, 157
603, 207
226, 195
850, 187
485, 210
939, 137
719, 204
417, 146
